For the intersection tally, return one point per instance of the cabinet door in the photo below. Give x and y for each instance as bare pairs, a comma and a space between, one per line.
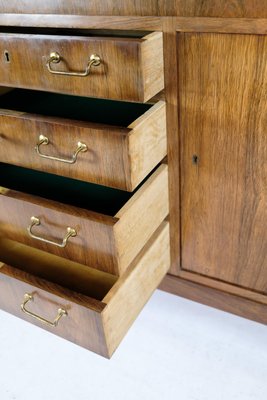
223, 126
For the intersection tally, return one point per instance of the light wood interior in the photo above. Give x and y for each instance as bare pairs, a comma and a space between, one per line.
97, 324
130, 293
77, 277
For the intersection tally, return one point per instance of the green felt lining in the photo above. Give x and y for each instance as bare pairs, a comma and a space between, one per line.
85, 195
116, 113
116, 33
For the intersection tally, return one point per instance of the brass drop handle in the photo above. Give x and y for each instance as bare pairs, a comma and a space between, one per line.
36, 221
43, 140
60, 312
55, 58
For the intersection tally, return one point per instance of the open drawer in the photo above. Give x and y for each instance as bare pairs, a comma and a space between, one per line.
79, 221
111, 143
98, 314
121, 66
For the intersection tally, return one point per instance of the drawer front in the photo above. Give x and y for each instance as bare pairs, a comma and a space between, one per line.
128, 68
108, 242
83, 7
75, 149
96, 325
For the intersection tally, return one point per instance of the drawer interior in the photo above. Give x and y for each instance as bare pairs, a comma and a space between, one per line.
108, 33
98, 319
109, 112
89, 196
70, 275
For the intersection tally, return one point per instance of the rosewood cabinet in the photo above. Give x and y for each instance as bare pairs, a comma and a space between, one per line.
223, 122
175, 142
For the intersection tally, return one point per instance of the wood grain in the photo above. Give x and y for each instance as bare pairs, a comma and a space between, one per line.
96, 325
223, 286
146, 143
172, 108
122, 74
216, 298
235, 16
134, 288
73, 276
93, 244
106, 242
223, 108
82, 325
219, 8
182, 24
141, 216
152, 64
82, 21
81, 7
130, 152
194, 8
222, 25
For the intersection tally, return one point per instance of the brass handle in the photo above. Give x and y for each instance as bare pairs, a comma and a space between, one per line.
60, 312
43, 140
36, 221
55, 58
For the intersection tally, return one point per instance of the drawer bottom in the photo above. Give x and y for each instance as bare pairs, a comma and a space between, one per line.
102, 308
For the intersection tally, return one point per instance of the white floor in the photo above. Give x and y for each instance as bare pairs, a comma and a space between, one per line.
176, 350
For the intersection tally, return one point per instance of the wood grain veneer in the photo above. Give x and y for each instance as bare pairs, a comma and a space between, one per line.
222, 25
97, 325
232, 17
131, 68
76, 277
223, 108
108, 242
183, 24
192, 8
173, 137
217, 298
117, 156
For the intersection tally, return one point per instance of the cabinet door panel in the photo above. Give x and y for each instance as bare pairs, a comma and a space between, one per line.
223, 124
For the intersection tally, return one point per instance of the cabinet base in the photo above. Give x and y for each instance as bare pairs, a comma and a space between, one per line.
215, 298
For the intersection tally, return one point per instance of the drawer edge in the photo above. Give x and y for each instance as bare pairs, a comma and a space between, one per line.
141, 216
134, 288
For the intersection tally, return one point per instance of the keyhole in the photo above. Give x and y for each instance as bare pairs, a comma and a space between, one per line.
7, 56
195, 159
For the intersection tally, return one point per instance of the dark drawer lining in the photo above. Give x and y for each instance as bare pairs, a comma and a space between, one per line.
105, 33
77, 193
107, 112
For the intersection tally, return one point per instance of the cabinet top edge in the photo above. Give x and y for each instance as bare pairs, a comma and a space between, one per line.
183, 8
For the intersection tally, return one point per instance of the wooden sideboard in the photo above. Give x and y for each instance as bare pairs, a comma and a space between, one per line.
211, 86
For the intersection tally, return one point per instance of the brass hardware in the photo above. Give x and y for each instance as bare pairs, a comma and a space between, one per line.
43, 140
3, 190
60, 312
55, 58
36, 221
